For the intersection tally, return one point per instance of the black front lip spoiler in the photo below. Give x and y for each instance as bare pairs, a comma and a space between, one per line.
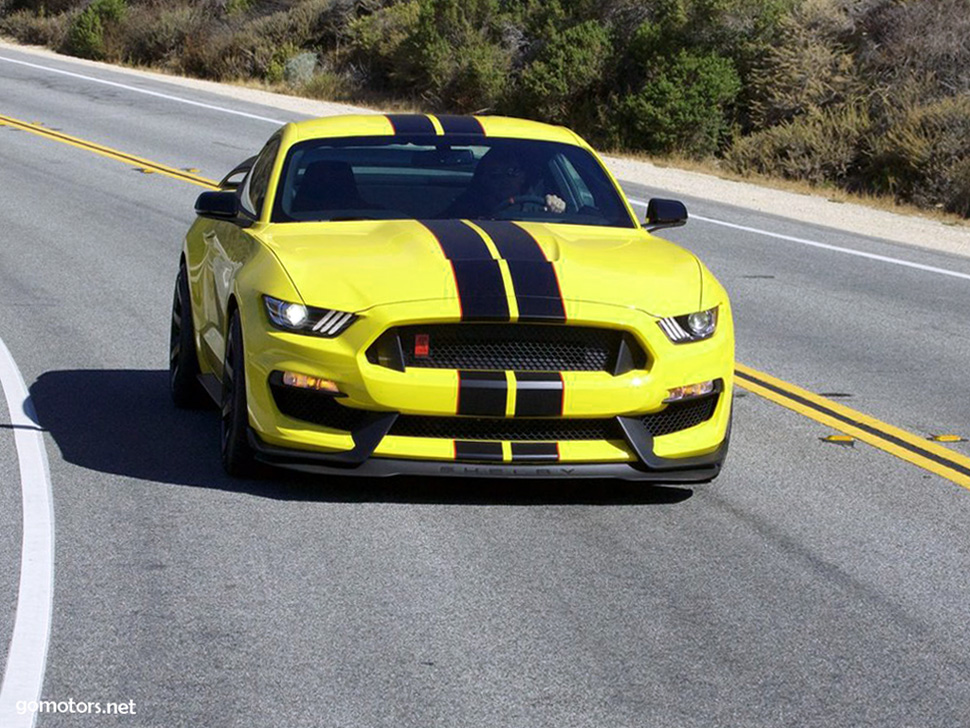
652, 469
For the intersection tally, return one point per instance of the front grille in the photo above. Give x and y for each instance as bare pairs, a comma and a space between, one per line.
680, 415
320, 409
517, 347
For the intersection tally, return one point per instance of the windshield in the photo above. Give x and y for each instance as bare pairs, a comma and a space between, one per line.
449, 177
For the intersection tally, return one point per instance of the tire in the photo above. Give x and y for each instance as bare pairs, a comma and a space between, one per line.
237, 455
183, 360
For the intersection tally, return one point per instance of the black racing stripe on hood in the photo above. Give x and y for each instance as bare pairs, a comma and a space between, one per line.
478, 278
411, 124
537, 291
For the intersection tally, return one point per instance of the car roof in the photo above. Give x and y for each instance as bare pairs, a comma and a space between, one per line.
357, 125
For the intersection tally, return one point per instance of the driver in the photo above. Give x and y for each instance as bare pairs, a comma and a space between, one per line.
500, 178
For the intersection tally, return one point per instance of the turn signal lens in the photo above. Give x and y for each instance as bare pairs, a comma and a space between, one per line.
305, 381
689, 391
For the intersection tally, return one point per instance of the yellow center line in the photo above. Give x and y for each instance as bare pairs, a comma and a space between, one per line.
109, 152
901, 443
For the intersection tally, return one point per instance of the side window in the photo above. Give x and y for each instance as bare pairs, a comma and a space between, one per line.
254, 193
575, 182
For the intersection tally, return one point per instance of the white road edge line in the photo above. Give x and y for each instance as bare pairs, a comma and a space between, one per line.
23, 677
823, 246
136, 89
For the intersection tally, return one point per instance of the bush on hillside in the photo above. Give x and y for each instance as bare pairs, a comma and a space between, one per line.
811, 67
820, 146
921, 152
159, 36
86, 33
681, 106
564, 74
28, 27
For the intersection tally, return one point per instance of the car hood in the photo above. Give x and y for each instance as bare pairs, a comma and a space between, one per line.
356, 265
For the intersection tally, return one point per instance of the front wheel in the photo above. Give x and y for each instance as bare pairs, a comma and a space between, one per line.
183, 361
237, 455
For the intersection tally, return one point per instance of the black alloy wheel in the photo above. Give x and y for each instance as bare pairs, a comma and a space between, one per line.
237, 455
183, 361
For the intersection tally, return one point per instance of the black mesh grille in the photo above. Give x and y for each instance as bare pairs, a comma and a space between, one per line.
518, 347
498, 428
320, 409
679, 416
675, 417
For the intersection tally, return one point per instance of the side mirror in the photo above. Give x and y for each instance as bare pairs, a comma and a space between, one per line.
220, 205
665, 214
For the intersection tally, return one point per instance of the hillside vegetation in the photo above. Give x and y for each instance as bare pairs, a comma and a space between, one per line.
869, 95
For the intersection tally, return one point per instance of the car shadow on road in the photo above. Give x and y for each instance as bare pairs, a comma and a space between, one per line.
122, 422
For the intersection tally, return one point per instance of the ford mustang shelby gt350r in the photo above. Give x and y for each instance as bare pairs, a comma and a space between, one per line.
404, 294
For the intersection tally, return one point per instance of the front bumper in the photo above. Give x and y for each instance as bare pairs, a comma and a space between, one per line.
370, 443
698, 469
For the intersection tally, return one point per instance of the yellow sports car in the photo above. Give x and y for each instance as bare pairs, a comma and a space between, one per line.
413, 294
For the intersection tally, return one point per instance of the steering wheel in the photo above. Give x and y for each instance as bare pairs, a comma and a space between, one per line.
520, 201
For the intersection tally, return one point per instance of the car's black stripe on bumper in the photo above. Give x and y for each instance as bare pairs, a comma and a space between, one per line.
452, 124
537, 291
535, 451
478, 451
538, 394
411, 124
482, 394
478, 278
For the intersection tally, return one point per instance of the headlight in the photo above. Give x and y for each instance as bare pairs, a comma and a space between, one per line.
302, 319
691, 327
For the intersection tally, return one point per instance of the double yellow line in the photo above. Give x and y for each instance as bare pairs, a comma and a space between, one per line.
144, 164
912, 448
905, 445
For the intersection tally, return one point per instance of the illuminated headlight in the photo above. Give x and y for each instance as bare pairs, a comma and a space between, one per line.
690, 391
302, 319
691, 327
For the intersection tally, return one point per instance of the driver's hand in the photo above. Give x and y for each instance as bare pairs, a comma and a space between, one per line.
555, 204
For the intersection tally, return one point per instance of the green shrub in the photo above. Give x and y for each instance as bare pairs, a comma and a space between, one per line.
159, 35
811, 66
86, 33
454, 58
821, 146
921, 152
957, 198
377, 41
85, 36
565, 71
325, 85
681, 107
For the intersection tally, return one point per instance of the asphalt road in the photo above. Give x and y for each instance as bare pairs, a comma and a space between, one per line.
812, 584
